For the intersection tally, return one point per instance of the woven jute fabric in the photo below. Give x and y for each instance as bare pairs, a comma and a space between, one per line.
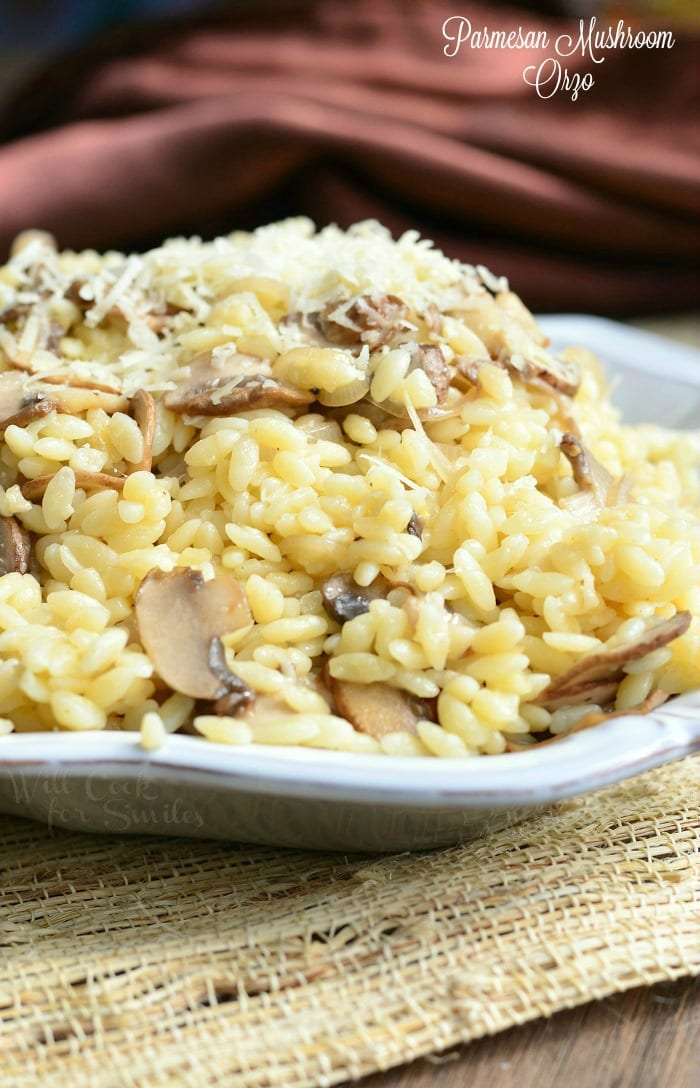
146, 962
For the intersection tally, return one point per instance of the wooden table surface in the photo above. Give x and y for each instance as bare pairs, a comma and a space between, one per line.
646, 1038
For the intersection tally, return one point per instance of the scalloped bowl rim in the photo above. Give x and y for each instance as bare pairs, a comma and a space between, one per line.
585, 761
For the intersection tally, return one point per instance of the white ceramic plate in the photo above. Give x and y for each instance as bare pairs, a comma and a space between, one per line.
330, 800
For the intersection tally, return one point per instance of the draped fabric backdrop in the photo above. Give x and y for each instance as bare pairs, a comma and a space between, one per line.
348, 109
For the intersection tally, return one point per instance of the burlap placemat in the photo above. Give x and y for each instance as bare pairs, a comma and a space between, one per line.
145, 962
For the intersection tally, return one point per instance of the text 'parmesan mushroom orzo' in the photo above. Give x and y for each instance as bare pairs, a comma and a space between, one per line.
324, 489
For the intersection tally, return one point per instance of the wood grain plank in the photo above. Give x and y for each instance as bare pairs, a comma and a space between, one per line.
646, 1038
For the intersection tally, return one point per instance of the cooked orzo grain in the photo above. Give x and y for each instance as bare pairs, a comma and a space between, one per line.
324, 489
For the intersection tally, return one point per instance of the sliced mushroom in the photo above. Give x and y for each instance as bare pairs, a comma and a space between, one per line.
158, 319
237, 694
181, 619
34, 410
467, 366
429, 359
415, 526
13, 313
560, 376
79, 383
72, 294
377, 709
18, 404
589, 473
33, 490
242, 384
307, 325
511, 345
367, 319
563, 376
595, 678
343, 599
243, 395
594, 717
15, 547
144, 409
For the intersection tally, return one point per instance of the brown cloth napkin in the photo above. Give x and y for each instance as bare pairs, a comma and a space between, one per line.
348, 109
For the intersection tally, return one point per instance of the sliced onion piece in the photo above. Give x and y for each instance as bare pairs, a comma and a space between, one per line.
144, 409
346, 394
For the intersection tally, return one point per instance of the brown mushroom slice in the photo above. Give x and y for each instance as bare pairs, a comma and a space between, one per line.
158, 319
19, 405
594, 717
33, 490
243, 383
368, 319
181, 620
237, 695
72, 294
15, 547
307, 325
468, 366
79, 383
595, 678
35, 409
562, 376
13, 313
376, 709
429, 359
144, 409
415, 526
589, 473
511, 345
343, 599
67, 394
241, 395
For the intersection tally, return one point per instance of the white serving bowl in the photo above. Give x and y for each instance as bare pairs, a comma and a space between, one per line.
101, 781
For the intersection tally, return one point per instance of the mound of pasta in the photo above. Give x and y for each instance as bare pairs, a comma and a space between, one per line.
325, 489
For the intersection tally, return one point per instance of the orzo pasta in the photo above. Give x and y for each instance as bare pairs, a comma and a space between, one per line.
324, 489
